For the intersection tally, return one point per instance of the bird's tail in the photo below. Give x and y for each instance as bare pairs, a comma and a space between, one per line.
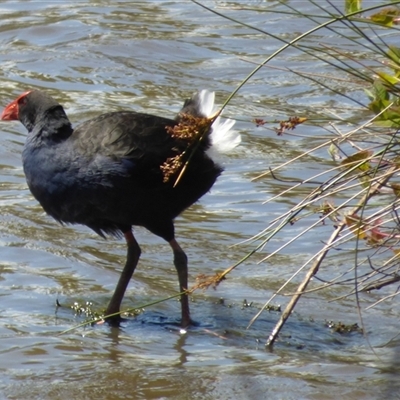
222, 138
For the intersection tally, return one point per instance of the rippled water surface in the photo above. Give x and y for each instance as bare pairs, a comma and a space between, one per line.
100, 56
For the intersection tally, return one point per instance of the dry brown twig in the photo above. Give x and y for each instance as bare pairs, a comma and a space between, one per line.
317, 263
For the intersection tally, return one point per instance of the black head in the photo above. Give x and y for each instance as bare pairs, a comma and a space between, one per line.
31, 108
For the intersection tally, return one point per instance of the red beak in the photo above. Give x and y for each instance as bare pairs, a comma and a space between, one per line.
10, 113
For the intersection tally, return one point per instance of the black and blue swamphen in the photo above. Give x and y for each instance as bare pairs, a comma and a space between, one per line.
107, 172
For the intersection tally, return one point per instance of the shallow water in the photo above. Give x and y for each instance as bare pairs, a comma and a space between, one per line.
100, 56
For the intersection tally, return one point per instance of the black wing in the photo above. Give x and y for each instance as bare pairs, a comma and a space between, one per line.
129, 135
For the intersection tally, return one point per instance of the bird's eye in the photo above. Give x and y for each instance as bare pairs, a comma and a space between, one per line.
22, 100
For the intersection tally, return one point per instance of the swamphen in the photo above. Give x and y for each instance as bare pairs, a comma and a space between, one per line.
107, 172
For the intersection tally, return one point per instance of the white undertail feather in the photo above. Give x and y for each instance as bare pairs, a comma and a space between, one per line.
223, 139
205, 102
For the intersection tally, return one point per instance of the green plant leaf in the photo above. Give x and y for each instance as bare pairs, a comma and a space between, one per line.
381, 92
386, 17
370, 95
356, 158
394, 53
388, 79
352, 6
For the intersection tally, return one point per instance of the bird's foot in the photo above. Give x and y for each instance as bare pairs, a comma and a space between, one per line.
114, 321
112, 316
188, 323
